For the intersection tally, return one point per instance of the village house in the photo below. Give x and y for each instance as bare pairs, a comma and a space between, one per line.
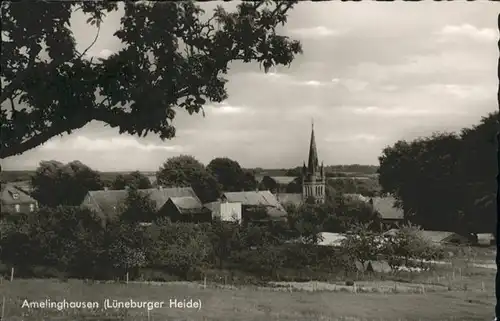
176, 203
252, 201
225, 211
384, 206
15, 199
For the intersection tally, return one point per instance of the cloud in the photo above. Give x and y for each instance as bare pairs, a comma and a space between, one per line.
468, 31
82, 143
315, 32
469, 92
363, 137
398, 111
225, 108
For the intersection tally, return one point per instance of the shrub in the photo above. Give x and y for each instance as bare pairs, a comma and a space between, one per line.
179, 248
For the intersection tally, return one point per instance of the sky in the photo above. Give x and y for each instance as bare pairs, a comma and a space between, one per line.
371, 74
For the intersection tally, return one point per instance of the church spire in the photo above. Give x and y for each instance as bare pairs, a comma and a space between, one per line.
312, 163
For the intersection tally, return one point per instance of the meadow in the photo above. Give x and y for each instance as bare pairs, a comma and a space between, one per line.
457, 291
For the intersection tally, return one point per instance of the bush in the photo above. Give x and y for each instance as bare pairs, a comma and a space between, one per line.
407, 247
179, 248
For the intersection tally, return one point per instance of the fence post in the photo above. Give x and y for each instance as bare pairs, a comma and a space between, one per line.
205, 282
11, 274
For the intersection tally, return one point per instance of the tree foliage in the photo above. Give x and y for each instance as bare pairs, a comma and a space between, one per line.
137, 207
55, 183
445, 181
172, 55
231, 176
186, 171
135, 179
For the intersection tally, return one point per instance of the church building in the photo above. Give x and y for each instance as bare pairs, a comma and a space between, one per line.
313, 179
313, 176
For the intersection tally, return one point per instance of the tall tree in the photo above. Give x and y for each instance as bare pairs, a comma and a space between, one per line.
135, 179
172, 55
55, 183
445, 181
230, 175
187, 171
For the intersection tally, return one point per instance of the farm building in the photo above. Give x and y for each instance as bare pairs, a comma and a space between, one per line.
386, 208
253, 201
225, 211
107, 202
16, 200
186, 209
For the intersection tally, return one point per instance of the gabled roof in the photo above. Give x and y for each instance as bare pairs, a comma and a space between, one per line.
187, 204
11, 194
434, 236
290, 198
441, 236
253, 198
387, 209
107, 201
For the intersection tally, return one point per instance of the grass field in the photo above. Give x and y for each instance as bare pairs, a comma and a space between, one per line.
438, 303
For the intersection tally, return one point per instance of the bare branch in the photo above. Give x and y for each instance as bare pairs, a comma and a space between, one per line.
92, 44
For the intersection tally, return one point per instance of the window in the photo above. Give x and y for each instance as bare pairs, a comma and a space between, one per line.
32, 207
18, 208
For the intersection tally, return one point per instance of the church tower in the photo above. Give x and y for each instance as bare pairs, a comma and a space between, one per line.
313, 176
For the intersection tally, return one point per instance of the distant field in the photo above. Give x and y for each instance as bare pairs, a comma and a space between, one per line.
16, 176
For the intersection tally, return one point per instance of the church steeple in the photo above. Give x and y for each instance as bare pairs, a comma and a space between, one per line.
312, 163
313, 178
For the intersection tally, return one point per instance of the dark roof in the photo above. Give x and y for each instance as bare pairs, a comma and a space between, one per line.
108, 201
442, 236
290, 198
434, 236
212, 206
11, 194
387, 209
187, 204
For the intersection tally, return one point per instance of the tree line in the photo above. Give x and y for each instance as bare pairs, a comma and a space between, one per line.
446, 181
